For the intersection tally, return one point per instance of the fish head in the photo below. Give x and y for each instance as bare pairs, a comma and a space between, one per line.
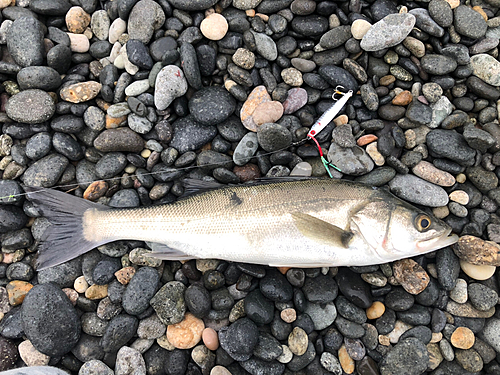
394, 229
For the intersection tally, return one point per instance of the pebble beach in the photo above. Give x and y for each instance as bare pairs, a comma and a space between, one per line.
120, 101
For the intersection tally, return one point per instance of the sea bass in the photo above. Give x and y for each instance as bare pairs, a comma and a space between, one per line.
304, 223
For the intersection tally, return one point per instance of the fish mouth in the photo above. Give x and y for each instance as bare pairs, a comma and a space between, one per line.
446, 239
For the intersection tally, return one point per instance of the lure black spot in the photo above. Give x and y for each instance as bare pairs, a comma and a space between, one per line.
235, 200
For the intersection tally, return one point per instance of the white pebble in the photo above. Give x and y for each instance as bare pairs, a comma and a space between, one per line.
302, 169
477, 272
116, 29
286, 356
459, 196
459, 293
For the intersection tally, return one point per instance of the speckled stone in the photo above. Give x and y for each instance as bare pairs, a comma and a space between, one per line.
30, 106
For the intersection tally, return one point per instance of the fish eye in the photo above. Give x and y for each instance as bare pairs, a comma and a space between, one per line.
422, 222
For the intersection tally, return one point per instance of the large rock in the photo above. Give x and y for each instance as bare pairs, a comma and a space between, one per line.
49, 320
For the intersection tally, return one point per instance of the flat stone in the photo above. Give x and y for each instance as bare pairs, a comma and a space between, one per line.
466, 310
80, 92
267, 112
468, 22
430, 173
145, 18
352, 161
487, 68
417, 190
30, 106
25, 42
121, 139
257, 96
170, 84
411, 276
388, 32
477, 251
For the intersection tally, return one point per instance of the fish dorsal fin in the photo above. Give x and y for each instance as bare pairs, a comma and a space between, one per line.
162, 251
193, 186
321, 231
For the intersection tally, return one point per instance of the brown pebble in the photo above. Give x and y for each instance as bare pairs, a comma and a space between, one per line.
376, 310
477, 251
430, 173
121, 139
258, 96
96, 292
345, 360
366, 139
72, 295
384, 340
298, 341
17, 290
341, 120
267, 112
410, 275
95, 190
210, 338
115, 122
247, 172
288, 315
403, 98
284, 270
77, 20
80, 92
187, 333
480, 10
387, 80
463, 338
124, 275
466, 310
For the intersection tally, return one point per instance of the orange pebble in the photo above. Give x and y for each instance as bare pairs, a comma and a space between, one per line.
17, 290
346, 361
210, 338
463, 338
95, 190
115, 122
366, 139
187, 333
376, 310
124, 275
283, 270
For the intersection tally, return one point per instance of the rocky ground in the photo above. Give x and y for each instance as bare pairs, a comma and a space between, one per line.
119, 101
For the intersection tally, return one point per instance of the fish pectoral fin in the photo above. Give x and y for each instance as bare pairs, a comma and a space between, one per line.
162, 251
321, 231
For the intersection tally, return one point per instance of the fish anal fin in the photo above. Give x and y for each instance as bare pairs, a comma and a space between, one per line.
321, 231
162, 251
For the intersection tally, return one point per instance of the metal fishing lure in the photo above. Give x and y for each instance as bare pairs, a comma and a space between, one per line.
340, 99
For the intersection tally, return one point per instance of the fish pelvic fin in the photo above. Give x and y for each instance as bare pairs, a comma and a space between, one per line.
64, 239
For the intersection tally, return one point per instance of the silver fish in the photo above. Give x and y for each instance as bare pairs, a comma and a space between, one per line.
35, 370
304, 223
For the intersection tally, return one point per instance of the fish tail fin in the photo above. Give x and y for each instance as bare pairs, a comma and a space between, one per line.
64, 239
